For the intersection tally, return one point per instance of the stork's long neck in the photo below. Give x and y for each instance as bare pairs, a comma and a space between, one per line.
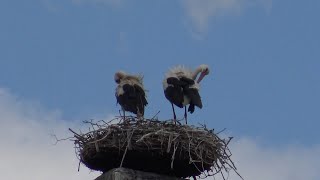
195, 73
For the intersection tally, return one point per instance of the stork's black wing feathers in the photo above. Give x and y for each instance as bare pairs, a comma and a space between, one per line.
175, 95
194, 96
129, 90
175, 82
142, 95
187, 81
191, 108
182, 81
133, 99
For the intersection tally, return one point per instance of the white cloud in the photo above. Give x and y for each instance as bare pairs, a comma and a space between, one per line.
201, 12
255, 162
27, 150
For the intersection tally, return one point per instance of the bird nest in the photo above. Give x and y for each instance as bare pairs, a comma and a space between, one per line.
154, 146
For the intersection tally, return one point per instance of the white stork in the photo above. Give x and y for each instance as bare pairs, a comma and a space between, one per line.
181, 88
130, 93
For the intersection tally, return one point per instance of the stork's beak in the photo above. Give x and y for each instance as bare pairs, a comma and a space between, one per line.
202, 75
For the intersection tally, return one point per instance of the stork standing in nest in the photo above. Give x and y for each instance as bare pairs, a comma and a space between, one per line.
130, 93
181, 88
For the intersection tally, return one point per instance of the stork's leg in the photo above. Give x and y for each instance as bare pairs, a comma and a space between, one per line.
174, 114
124, 115
139, 114
185, 114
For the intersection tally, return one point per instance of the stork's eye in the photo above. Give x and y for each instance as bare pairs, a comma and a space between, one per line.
117, 80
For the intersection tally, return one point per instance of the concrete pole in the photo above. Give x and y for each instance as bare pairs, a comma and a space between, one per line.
129, 174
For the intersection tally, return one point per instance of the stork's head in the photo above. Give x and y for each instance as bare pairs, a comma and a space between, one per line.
118, 76
204, 70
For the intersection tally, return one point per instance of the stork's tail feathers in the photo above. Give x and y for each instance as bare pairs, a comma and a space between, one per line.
191, 108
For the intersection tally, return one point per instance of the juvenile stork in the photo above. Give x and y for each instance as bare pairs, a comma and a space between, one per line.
130, 93
181, 87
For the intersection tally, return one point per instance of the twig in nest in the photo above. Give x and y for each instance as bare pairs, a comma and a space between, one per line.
175, 147
125, 152
58, 140
155, 115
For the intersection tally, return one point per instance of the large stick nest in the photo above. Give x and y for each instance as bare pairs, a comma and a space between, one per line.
154, 146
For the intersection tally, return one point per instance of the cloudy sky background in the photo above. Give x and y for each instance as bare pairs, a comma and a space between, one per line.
58, 58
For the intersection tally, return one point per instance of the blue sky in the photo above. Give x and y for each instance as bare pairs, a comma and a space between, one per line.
264, 58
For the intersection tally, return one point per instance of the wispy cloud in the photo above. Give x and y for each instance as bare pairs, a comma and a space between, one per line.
56, 6
104, 2
122, 43
201, 12
51, 6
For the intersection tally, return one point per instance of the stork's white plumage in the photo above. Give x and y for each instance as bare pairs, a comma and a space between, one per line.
181, 87
130, 93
